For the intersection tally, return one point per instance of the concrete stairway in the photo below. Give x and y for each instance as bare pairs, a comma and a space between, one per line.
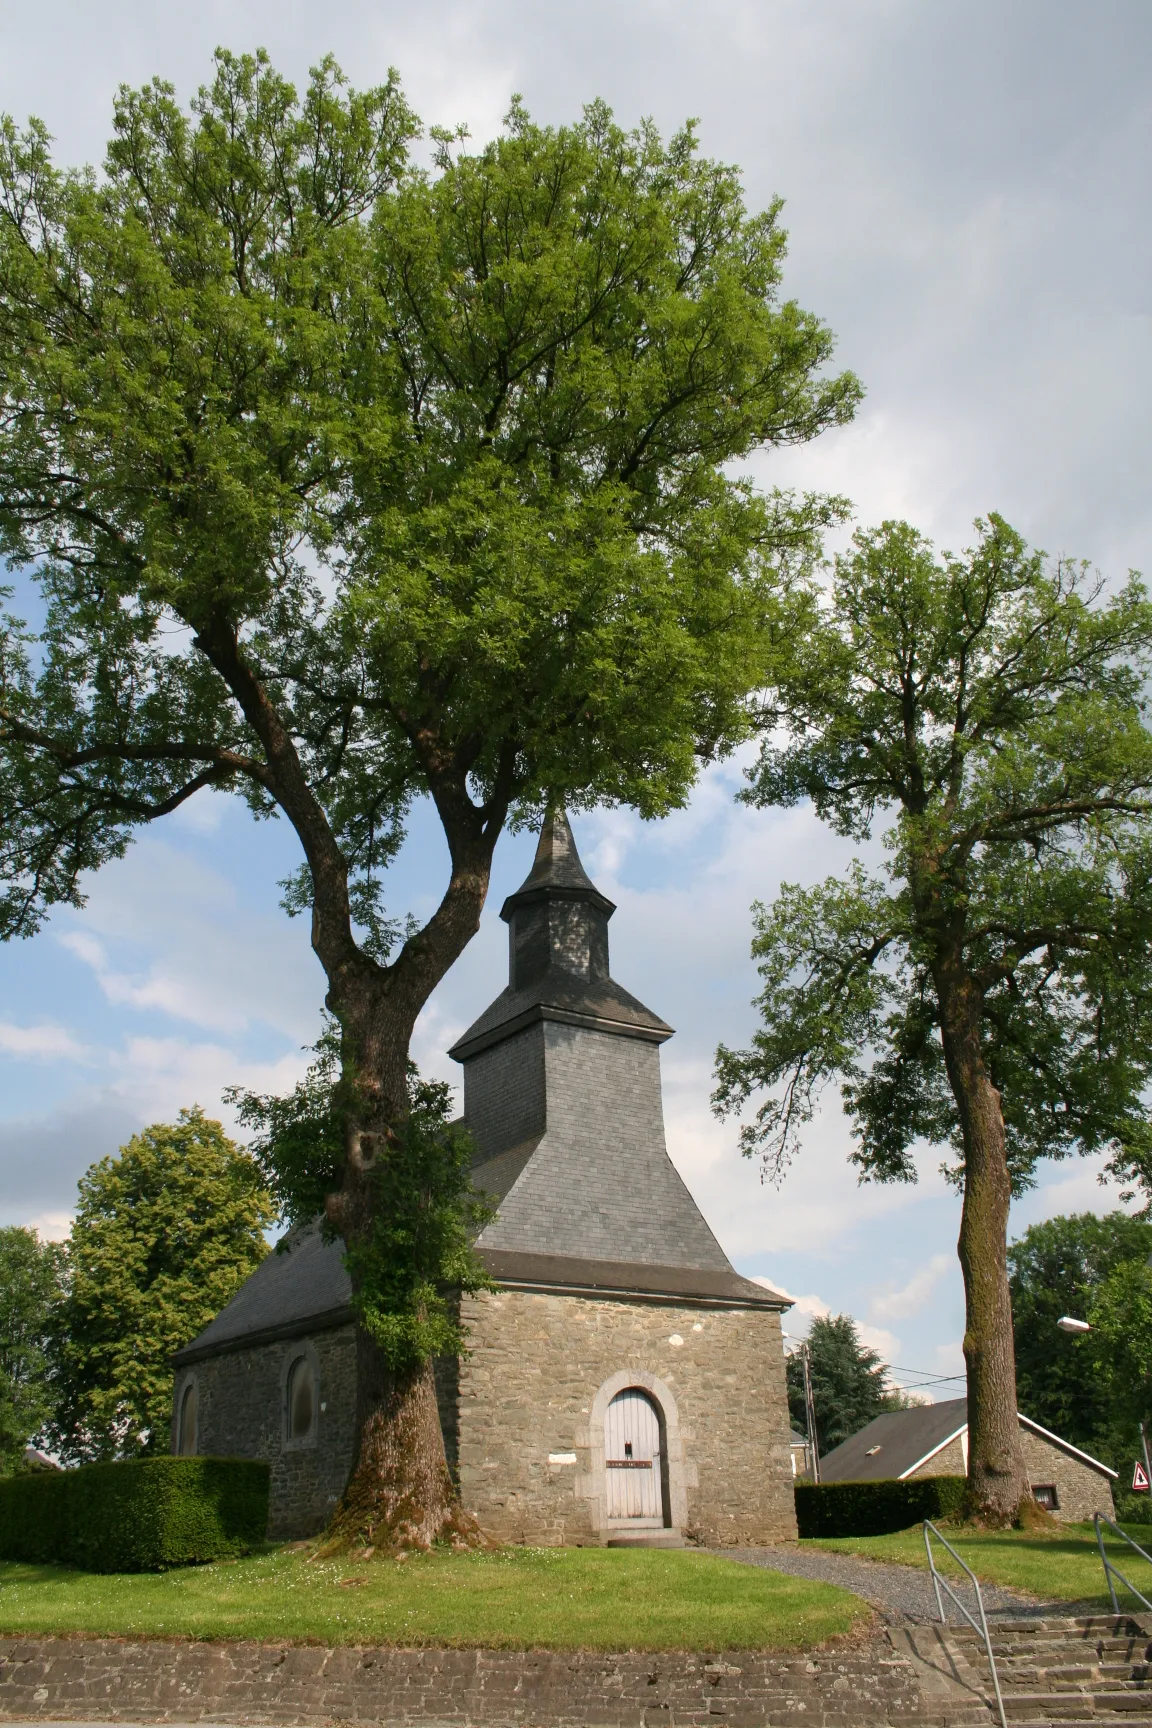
1054, 1673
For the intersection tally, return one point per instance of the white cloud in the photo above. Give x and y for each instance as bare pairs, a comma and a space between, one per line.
163, 1075
52, 1226
878, 1338
45, 1043
911, 1297
165, 933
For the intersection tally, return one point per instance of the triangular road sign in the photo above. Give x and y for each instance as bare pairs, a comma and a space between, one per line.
1140, 1482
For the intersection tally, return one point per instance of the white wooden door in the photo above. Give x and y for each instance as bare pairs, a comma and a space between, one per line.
632, 1457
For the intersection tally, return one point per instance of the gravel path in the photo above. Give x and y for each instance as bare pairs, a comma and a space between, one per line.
900, 1593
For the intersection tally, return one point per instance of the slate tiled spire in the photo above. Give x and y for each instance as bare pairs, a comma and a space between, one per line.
558, 954
562, 1090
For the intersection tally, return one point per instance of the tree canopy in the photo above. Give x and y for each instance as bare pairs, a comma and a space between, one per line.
164, 1235
849, 1382
343, 482
1070, 1265
494, 404
31, 1275
988, 987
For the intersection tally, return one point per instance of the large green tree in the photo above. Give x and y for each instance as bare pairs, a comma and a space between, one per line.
1070, 1265
849, 1382
988, 987
164, 1235
347, 483
31, 1274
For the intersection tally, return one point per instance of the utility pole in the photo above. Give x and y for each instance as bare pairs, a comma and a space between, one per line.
810, 1412
809, 1402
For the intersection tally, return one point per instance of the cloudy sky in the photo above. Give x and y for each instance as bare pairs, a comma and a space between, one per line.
966, 191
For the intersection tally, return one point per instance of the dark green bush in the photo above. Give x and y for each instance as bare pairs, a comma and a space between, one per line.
874, 1508
139, 1516
1131, 1508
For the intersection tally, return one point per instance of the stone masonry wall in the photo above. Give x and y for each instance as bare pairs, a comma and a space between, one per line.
950, 1461
104, 1679
528, 1389
1080, 1491
241, 1414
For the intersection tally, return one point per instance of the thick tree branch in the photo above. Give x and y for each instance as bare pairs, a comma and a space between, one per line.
285, 778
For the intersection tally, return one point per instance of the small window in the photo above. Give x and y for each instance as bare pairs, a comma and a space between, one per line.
186, 1436
301, 1399
1044, 1494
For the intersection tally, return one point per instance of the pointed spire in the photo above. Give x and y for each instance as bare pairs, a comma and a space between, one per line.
557, 917
558, 954
557, 862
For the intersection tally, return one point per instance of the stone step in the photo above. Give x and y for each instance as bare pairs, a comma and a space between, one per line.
1110, 1625
1127, 1720
645, 1539
1063, 1706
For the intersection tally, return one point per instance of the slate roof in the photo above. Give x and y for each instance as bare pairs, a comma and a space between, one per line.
904, 1439
557, 865
305, 1288
593, 1204
689, 1285
894, 1444
560, 996
301, 1286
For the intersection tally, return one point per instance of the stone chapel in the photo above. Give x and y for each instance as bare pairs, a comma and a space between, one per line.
623, 1382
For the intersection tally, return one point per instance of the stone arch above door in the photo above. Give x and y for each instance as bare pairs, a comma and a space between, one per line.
681, 1472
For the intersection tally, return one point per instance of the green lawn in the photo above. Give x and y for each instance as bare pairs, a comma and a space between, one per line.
1061, 1566
518, 1598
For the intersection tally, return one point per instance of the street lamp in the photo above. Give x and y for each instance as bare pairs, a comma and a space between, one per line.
1066, 1323
809, 1401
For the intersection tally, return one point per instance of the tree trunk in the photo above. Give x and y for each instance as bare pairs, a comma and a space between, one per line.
400, 1493
997, 1475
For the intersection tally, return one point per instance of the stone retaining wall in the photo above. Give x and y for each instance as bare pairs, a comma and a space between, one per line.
114, 1679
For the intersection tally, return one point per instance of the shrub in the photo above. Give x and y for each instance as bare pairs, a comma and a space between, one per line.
142, 1515
874, 1508
1131, 1508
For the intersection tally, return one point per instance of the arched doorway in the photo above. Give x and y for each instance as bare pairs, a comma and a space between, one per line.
635, 1464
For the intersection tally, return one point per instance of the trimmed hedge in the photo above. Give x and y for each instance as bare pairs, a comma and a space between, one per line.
142, 1515
874, 1508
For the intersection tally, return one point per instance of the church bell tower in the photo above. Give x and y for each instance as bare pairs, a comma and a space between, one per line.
562, 1090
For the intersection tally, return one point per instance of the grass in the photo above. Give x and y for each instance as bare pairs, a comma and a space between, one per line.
1061, 1565
513, 1598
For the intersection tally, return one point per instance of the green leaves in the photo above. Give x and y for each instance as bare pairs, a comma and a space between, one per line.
849, 1382
1092, 1388
817, 952
31, 1279
410, 1266
428, 473
408, 1274
164, 1235
991, 707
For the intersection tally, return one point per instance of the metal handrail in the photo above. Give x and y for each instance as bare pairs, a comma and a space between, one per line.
939, 1582
1098, 1518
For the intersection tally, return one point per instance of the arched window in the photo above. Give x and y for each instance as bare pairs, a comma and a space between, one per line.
301, 1410
186, 1436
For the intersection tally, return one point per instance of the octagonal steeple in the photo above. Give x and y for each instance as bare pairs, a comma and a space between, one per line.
558, 954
